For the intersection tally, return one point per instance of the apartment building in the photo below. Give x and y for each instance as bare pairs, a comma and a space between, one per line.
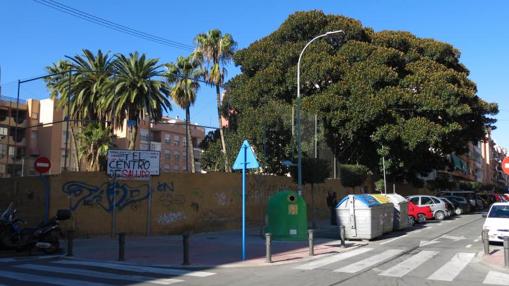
18, 143
169, 137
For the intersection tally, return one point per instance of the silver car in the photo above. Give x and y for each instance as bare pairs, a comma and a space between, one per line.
438, 207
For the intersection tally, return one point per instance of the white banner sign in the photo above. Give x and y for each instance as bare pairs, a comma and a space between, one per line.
127, 164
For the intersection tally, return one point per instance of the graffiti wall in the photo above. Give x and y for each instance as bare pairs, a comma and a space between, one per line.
169, 203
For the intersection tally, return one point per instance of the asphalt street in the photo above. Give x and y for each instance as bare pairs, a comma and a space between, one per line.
436, 253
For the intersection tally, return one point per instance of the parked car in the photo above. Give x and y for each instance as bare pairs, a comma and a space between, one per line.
417, 214
451, 206
501, 198
497, 222
463, 204
438, 206
469, 195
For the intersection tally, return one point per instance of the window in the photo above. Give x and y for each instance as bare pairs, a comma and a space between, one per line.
435, 201
167, 138
3, 151
3, 131
415, 200
167, 155
177, 157
426, 201
499, 212
12, 151
144, 135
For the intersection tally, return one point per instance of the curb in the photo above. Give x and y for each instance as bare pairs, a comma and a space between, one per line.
242, 264
481, 256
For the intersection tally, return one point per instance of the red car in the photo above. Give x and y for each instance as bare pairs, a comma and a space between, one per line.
418, 214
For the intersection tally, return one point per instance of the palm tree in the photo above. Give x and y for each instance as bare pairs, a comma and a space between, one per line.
96, 140
183, 76
79, 85
136, 93
89, 84
216, 50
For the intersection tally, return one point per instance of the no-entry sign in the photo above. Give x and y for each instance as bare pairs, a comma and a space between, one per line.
505, 165
42, 165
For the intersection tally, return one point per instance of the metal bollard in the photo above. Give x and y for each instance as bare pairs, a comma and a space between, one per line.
268, 250
506, 251
311, 243
70, 237
185, 245
485, 241
121, 246
342, 234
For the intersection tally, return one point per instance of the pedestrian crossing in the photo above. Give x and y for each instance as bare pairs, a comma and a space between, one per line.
93, 273
399, 263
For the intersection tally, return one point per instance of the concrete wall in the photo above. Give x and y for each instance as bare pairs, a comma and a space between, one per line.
180, 202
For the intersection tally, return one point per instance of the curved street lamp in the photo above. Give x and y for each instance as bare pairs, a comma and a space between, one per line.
299, 143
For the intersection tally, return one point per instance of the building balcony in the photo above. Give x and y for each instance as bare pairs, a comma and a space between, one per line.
21, 142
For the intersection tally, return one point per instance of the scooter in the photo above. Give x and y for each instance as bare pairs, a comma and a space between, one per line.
44, 237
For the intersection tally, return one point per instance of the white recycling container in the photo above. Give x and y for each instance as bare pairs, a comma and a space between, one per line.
362, 216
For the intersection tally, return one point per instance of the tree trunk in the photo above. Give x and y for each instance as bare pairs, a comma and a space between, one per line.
189, 141
223, 143
132, 137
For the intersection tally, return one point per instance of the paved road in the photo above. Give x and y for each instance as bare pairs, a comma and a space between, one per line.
444, 253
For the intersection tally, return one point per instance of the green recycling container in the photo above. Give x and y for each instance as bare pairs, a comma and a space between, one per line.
286, 217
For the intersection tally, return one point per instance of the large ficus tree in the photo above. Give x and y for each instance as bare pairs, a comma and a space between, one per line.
379, 94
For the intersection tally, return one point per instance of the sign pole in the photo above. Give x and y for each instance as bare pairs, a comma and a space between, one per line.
244, 205
149, 205
113, 212
246, 159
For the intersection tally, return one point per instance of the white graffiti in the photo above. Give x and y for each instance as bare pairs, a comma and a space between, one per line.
169, 218
221, 199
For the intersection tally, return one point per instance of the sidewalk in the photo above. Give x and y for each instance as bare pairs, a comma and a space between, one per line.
496, 258
206, 249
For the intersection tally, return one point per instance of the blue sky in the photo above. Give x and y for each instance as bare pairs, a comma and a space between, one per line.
33, 36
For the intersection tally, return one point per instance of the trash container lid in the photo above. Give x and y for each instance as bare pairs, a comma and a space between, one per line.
396, 198
367, 200
381, 198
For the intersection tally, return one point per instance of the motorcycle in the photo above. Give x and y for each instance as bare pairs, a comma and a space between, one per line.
45, 236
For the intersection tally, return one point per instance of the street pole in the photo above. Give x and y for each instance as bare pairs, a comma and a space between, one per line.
298, 103
385, 181
66, 152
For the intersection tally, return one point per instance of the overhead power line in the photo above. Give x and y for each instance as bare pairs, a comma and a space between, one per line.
111, 25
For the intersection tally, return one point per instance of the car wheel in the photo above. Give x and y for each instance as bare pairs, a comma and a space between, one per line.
411, 220
458, 211
421, 218
439, 215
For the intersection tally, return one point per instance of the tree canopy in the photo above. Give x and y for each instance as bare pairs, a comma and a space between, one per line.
385, 93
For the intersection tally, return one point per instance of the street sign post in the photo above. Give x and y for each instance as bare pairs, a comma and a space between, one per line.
133, 164
246, 159
42, 165
505, 165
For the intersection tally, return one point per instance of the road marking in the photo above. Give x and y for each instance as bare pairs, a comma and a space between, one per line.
391, 240
468, 246
477, 240
455, 238
426, 242
334, 258
452, 268
402, 268
496, 278
370, 261
47, 280
135, 268
98, 274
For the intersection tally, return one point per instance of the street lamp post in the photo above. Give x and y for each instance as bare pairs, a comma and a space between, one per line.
299, 143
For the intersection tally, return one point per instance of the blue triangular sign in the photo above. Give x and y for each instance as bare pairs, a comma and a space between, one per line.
246, 157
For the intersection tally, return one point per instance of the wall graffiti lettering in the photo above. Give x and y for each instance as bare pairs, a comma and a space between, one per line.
108, 195
171, 217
